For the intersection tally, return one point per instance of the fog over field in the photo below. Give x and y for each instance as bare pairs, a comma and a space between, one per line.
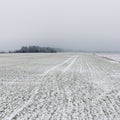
85, 25
63, 61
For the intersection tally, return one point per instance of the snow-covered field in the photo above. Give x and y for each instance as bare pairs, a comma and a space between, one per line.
111, 56
66, 86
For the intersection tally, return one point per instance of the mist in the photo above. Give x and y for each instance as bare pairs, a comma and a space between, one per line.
79, 25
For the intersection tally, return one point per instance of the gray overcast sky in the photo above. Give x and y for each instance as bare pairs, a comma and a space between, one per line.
71, 24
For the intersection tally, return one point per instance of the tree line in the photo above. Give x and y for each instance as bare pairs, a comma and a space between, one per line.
37, 49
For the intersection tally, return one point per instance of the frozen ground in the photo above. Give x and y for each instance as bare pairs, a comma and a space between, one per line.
113, 57
67, 86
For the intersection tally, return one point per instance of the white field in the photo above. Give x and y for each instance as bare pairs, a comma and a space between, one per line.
113, 57
66, 86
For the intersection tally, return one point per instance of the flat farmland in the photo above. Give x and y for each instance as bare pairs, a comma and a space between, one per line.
60, 86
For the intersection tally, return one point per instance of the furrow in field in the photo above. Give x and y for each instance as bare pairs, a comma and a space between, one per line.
41, 75
47, 87
84, 87
35, 91
102, 83
71, 96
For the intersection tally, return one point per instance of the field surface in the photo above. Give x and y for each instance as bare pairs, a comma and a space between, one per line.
66, 86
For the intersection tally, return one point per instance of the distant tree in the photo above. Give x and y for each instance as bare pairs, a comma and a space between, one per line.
37, 49
2, 52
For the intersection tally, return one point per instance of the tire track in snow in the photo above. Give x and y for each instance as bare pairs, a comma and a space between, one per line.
42, 75
69, 66
35, 91
53, 68
71, 62
64, 71
80, 98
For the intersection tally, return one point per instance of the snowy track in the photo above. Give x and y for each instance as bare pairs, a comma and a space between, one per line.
68, 87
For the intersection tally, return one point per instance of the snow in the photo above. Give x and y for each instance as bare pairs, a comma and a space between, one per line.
69, 66
112, 57
66, 86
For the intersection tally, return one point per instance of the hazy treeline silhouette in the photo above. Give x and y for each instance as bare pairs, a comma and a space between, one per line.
37, 49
